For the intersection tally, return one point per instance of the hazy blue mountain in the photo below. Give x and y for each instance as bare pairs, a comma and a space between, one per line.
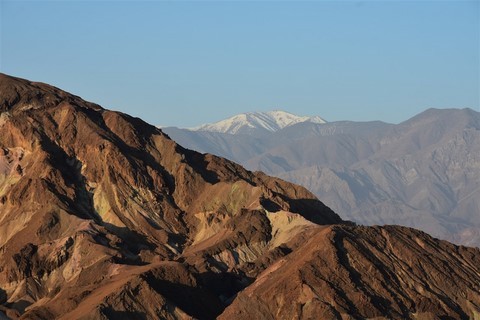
424, 172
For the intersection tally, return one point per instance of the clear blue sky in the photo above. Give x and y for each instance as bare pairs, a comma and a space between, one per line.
186, 63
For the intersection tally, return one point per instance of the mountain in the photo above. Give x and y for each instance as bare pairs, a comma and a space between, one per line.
103, 216
340, 273
422, 173
257, 121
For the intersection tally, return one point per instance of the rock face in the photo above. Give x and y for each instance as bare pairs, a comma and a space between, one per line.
422, 173
365, 273
102, 216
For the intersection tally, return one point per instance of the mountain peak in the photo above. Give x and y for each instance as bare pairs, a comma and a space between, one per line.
19, 95
250, 121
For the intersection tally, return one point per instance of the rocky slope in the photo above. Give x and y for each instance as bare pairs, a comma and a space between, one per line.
423, 173
365, 273
102, 216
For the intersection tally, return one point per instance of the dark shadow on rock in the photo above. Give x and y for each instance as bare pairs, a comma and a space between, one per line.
132, 243
123, 315
70, 169
225, 285
315, 211
19, 305
198, 162
3, 296
269, 205
197, 301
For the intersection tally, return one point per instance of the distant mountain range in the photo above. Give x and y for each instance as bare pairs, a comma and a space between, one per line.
422, 173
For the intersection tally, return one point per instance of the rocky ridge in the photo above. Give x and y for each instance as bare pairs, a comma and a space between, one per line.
103, 216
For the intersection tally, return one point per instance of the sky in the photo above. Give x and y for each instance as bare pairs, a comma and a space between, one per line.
182, 63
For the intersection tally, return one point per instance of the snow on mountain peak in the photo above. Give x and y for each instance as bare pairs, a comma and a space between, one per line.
244, 122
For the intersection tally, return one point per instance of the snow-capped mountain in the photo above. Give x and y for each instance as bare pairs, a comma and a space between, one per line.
251, 121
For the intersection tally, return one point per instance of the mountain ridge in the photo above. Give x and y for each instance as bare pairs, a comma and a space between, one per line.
103, 216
